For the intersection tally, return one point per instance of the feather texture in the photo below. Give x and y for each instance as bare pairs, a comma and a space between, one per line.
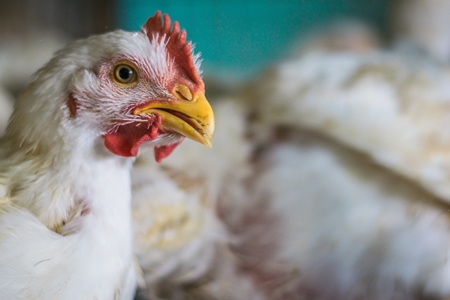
65, 211
339, 191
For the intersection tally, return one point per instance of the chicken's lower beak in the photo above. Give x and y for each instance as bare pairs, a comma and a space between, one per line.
193, 119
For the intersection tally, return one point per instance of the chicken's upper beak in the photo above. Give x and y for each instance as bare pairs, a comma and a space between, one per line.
193, 118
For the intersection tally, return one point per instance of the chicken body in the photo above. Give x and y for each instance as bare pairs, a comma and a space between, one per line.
178, 237
66, 157
65, 219
363, 156
336, 188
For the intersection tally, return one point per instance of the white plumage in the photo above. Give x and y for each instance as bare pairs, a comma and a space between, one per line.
65, 211
336, 187
178, 236
367, 172
65, 219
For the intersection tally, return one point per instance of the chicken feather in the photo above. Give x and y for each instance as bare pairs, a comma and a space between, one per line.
339, 190
65, 187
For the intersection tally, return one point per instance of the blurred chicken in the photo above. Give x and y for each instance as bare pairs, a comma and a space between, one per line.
363, 155
425, 23
6, 106
335, 187
21, 56
178, 235
341, 35
66, 156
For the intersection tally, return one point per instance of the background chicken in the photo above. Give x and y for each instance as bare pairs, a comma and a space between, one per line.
330, 181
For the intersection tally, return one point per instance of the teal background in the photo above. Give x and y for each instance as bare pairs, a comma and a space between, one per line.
239, 37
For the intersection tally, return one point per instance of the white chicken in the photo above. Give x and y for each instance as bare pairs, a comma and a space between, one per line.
367, 154
65, 159
336, 187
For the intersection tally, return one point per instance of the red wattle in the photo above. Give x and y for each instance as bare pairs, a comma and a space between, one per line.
127, 139
164, 151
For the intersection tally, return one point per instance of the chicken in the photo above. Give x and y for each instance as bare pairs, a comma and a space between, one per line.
364, 159
65, 159
329, 180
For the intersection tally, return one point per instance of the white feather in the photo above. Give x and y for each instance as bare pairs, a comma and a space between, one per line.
343, 194
65, 216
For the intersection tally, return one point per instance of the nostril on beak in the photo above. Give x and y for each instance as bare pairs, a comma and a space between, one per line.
182, 92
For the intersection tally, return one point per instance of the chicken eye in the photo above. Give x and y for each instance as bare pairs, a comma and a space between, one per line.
125, 74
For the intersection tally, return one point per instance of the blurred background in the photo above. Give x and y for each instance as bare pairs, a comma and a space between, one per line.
240, 37
237, 38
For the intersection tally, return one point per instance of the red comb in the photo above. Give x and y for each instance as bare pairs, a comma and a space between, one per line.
178, 48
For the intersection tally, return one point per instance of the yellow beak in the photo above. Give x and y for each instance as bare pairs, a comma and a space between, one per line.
193, 119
